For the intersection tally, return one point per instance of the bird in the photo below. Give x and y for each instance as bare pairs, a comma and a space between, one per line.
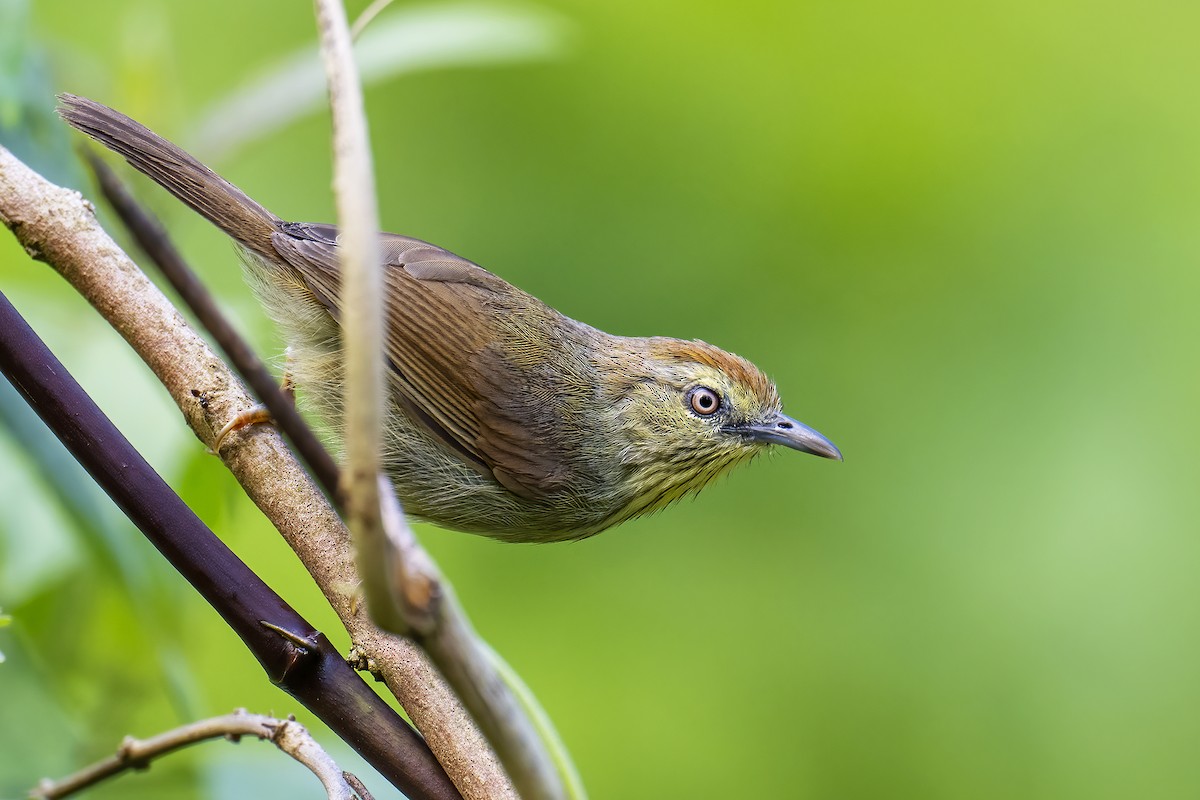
504, 417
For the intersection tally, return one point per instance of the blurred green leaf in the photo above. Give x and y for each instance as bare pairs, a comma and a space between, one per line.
28, 126
400, 41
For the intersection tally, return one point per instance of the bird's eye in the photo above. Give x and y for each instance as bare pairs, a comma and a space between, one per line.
704, 401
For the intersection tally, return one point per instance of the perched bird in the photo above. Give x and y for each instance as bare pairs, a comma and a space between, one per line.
505, 417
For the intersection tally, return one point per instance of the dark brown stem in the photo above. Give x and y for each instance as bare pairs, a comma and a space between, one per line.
312, 672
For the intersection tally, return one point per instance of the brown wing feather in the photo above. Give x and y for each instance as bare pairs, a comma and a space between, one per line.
445, 340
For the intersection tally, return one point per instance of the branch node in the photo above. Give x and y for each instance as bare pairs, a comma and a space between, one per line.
302, 642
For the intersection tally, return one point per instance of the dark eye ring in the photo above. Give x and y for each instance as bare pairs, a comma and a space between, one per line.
704, 401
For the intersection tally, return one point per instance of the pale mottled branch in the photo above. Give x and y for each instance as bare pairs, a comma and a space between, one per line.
405, 591
57, 226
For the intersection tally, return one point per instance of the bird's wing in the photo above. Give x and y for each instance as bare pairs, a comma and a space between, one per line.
446, 322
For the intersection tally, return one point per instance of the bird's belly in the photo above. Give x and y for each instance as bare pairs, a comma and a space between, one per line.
436, 485
434, 482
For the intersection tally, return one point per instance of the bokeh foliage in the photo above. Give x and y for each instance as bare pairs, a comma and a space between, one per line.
962, 237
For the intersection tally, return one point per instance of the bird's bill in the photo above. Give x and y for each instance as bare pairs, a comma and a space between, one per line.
783, 430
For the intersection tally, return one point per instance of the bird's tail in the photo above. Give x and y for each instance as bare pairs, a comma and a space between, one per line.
225, 205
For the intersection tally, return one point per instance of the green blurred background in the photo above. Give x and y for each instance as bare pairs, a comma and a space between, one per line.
962, 237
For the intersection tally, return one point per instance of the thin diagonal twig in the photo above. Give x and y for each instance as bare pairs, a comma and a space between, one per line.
153, 240
288, 735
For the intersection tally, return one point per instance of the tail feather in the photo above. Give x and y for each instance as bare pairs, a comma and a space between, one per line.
222, 203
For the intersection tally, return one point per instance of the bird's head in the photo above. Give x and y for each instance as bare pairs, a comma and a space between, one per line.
695, 412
